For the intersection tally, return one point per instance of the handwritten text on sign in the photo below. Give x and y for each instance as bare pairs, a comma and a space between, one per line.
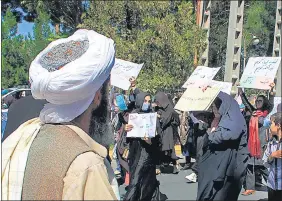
200, 75
144, 125
122, 72
260, 72
194, 99
224, 86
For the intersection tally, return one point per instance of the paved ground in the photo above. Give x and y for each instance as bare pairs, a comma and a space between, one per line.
176, 187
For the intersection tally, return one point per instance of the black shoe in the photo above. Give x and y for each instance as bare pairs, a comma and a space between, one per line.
186, 166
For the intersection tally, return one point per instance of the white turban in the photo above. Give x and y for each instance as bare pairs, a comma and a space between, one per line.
71, 90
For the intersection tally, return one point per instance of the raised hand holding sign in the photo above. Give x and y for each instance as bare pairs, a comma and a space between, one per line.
260, 72
124, 74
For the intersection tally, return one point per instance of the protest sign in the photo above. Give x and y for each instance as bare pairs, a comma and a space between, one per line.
195, 99
122, 72
224, 86
200, 76
144, 125
260, 72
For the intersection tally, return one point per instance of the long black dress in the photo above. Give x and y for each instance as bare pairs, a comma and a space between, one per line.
143, 183
223, 164
168, 127
122, 144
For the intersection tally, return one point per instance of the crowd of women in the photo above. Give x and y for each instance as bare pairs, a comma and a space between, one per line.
227, 142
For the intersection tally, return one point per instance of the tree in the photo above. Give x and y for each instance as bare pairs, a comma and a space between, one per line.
64, 14
259, 21
162, 34
218, 35
19, 51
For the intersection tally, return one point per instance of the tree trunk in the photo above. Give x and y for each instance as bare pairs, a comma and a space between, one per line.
57, 28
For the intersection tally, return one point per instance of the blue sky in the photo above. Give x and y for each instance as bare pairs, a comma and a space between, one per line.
25, 27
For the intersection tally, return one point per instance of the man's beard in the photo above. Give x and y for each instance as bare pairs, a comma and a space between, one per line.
100, 128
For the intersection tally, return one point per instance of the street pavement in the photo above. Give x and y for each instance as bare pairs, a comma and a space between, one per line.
176, 187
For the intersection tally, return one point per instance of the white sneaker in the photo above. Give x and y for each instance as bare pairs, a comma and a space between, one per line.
192, 177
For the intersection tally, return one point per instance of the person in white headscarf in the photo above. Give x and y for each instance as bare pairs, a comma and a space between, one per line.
62, 154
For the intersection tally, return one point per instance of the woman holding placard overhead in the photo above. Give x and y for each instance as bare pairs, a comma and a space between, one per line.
143, 155
257, 135
223, 163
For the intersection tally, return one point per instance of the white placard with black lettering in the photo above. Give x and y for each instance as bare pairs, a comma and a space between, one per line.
122, 72
200, 76
144, 125
260, 72
225, 87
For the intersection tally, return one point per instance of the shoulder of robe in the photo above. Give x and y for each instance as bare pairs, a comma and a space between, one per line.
84, 162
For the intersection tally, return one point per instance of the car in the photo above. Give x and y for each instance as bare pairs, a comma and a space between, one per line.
13, 91
4, 117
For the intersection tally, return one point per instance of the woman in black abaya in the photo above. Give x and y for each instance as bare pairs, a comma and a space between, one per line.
143, 183
223, 164
168, 128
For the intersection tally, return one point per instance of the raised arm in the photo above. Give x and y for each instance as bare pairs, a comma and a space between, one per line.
247, 104
271, 96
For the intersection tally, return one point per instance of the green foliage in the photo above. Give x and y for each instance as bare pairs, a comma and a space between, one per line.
259, 21
64, 14
218, 35
162, 34
17, 51
259, 18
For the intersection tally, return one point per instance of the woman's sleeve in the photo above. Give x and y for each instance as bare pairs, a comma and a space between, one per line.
136, 91
221, 134
166, 120
247, 104
271, 100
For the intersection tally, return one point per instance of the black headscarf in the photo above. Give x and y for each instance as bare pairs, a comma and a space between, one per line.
231, 116
163, 100
140, 97
166, 111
